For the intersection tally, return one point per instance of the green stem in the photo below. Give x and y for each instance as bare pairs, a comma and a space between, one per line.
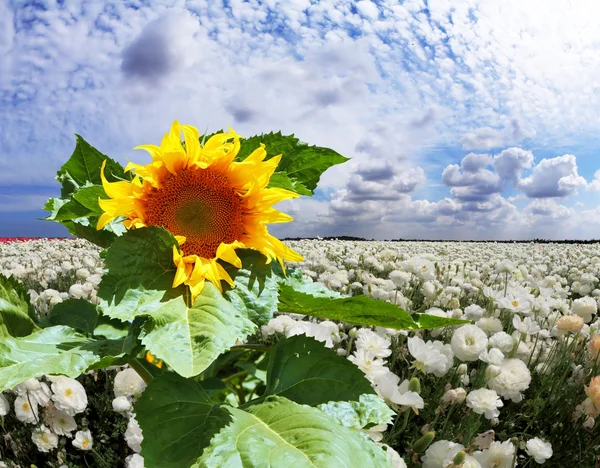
137, 366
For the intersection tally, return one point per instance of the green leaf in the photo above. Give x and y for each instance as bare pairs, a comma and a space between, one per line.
302, 369
78, 314
16, 313
433, 321
190, 339
85, 228
178, 420
302, 164
51, 351
295, 279
139, 273
83, 168
282, 180
82, 204
368, 411
258, 305
281, 433
357, 310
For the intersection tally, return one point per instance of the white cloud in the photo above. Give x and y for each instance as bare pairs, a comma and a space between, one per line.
594, 185
554, 177
509, 163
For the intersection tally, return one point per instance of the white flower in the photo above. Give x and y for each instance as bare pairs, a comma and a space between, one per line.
499, 455
26, 411
121, 404
4, 405
527, 326
369, 340
59, 421
440, 454
388, 388
37, 391
494, 356
83, 440
279, 324
134, 461
44, 439
69, 395
400, 278
490, 325
513, 377
432, 357
397, 460
468, 341
585, 307
539, 450
486, 402
503, 341
128, 383
133, 435
366, 361
474, 312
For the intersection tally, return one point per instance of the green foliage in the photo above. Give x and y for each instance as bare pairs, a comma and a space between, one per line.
257, 303
16, 313
139, 273
368, 411
189, 339
178, 420
78, 314
358, 310
301, 165
302, 369
281, 433
77, 208
54, 350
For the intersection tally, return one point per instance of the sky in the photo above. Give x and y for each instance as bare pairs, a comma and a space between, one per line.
463, 119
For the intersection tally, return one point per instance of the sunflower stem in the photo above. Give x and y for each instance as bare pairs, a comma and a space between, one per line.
137, 366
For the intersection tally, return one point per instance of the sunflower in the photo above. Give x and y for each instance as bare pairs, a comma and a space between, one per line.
210, 203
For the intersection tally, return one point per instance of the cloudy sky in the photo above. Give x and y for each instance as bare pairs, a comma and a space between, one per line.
464, 119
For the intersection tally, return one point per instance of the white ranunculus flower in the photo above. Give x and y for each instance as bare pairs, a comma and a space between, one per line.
397, 460
498, 455
490, 325
486, 402
44, 439
585, 307
494, 356
468, 342
474, 312
432, 357
121, 404
369, 340
59, 421
503, 341
4, 405
69, 395
133, 435
526, 325
83, 440
26, 410
512, 378
539, 450
128, 383
367, 362
134, 461
388, 388
440, 454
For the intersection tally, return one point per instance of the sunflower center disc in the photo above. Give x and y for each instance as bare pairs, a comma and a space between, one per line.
200, 205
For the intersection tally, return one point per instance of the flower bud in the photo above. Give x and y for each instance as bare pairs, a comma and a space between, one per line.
422, 444
352, 333
414, 385
594, 346
459, 458
462, 369
493, 371
461, 395
589, 422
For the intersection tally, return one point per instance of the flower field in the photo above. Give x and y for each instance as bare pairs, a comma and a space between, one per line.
516, 384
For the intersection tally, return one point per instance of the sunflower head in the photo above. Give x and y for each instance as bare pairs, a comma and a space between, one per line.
211, 203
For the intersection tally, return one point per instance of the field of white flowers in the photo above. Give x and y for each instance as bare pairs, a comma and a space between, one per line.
518, 386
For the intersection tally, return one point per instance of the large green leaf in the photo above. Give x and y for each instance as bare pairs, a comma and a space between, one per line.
189, 339
178, 420
85, 228
53, 350
83, 168
357, 310
280, 433
302, 164
82, 204
78, 314
368, 411
16, 313
295, 280
139, 273
302, 369
257, 303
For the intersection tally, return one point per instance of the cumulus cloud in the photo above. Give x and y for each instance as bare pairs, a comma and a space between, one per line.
509, 163
554, 177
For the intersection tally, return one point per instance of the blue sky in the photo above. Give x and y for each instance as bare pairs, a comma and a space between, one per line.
471, 119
